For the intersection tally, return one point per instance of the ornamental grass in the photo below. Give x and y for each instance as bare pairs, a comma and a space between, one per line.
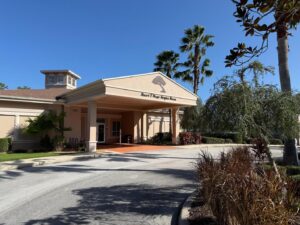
240, 191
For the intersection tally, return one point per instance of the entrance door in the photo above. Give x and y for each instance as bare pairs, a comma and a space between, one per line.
101, 133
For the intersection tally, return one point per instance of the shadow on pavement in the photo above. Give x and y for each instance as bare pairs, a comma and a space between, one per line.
128, 157
128, 204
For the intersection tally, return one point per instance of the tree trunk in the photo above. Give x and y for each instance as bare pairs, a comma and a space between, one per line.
196, 68
290, 156
284, 72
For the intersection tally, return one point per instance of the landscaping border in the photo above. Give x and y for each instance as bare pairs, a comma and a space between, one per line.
184, 211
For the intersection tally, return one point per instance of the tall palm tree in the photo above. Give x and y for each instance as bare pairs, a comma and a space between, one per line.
167, 63
262, 18
195, 42
290, 155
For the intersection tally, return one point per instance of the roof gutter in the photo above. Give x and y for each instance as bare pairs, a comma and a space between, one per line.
29, 100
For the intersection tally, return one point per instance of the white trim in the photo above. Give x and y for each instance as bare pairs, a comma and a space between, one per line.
27, 99
79, 89
21, 112
46, 72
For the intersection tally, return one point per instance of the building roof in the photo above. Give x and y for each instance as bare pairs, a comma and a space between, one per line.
47, 94
60, 71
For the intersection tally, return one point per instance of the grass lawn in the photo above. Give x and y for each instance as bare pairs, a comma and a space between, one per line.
19, 156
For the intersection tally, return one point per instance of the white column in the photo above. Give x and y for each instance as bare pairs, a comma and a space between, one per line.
144, 126
175, 126
92, 127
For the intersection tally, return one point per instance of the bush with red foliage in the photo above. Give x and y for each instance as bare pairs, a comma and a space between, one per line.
187, 138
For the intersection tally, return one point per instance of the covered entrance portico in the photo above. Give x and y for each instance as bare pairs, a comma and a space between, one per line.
118, 108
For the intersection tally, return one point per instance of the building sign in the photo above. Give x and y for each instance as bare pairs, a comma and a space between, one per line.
155, 96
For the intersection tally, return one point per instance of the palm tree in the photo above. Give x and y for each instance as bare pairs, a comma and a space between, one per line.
3, 86
195, 42
290, 155
167, 63
262, 18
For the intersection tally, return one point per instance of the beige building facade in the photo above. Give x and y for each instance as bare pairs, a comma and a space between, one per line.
122, 109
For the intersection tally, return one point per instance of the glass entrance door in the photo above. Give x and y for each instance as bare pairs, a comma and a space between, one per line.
101, 133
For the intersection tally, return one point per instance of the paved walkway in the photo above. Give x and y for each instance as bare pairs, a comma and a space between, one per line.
124, 148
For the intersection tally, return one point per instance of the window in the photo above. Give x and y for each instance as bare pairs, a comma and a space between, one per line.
51, 79
73, 81
116, 126
69, 79
60, 80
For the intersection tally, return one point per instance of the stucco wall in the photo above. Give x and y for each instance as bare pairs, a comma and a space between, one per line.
73, 121
127, 123
13, 118
7, 123
157, 122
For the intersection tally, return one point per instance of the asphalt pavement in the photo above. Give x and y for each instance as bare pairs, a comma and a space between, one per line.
136, 188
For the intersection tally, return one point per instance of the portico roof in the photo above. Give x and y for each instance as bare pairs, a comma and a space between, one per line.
141, 92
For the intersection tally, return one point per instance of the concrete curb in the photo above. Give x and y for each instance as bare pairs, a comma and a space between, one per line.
34, 162
221, 145
211, 145
184, 212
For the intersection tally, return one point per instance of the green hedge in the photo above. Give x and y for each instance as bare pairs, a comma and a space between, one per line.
160, 138
213, 140
228, 141
236, 137
275, 141
4, 144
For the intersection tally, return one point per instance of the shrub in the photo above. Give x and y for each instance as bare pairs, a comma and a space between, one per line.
20, 150
275, 141
213, 140
236, 137
228, 140
187, 138
293, 170
4, 144
161, 138
240, 192
45, 142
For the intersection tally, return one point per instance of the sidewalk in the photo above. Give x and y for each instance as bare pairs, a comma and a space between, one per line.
18, 164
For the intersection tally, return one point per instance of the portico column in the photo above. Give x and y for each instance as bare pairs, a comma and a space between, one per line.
144, 126
92, 126
175, 126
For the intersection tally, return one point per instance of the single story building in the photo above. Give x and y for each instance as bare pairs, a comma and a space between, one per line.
103, 111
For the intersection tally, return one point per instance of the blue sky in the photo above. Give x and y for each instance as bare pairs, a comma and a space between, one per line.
99, 39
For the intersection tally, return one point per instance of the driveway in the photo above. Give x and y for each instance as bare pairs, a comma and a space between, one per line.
134, 188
